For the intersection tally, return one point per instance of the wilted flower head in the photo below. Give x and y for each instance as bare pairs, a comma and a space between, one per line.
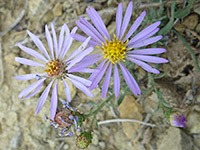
83, 140
115, 51
64, 119
55, 67
177, 119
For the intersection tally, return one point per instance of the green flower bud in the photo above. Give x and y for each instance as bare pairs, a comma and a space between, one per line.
83, 140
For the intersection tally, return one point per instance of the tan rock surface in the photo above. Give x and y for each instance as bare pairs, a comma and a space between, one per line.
130, 109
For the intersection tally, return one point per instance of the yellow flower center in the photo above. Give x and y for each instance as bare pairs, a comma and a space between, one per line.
114, 50
54, 68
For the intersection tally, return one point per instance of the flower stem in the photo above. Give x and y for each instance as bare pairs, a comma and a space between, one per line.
99, 107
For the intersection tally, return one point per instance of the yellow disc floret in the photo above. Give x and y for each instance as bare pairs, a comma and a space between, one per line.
54, 68
114, 50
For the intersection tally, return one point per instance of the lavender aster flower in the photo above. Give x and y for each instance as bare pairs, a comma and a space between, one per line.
56, 68
177, 119
120, 48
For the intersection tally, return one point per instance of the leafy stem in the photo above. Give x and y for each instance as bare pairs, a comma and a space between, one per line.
99, 107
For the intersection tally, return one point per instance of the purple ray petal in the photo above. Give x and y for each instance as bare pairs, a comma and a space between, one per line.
43, 98
85, 70
34, 92
67, 91
116, 81
30, 88
28, 76
80, 79
144, 65
49, 40
106, 81
89, 57
119, 19
66, 28
81, 87
54, 39
80, 49
144, 32
146, 42
147, 36
82, 39
68, 43
135, 25
99, 67
54, 101
32, 52
86, 23
38, 43
61, 39
151, 59
85, 64
99, 76
148, 51
28, 62
101, 23
80, 57
96, 22
88, 31
126, 20
130, 81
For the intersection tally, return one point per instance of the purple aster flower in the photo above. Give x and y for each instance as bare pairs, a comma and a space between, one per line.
55, 67
120, 48
177, 119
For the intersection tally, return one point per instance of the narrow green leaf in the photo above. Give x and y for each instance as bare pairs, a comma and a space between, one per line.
161, 75
147, 91
120, 99
158, 107
169, 25
185, 11
109, 105
165, 103
189, 50
96, 122
161, 9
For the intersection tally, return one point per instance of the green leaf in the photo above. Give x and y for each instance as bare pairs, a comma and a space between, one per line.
165, 103
161, 9
196, 64
169, 25
109, 105
185, 11
91, 109
121, 98
161, 75
94, 104
96, 122
158, 107
135, 76
147, 91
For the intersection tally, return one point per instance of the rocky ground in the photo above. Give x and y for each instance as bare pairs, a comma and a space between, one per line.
21, 129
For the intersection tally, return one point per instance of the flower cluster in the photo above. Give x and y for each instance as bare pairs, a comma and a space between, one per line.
113, 53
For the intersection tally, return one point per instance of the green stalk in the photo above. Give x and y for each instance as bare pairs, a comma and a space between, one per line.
99, 107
